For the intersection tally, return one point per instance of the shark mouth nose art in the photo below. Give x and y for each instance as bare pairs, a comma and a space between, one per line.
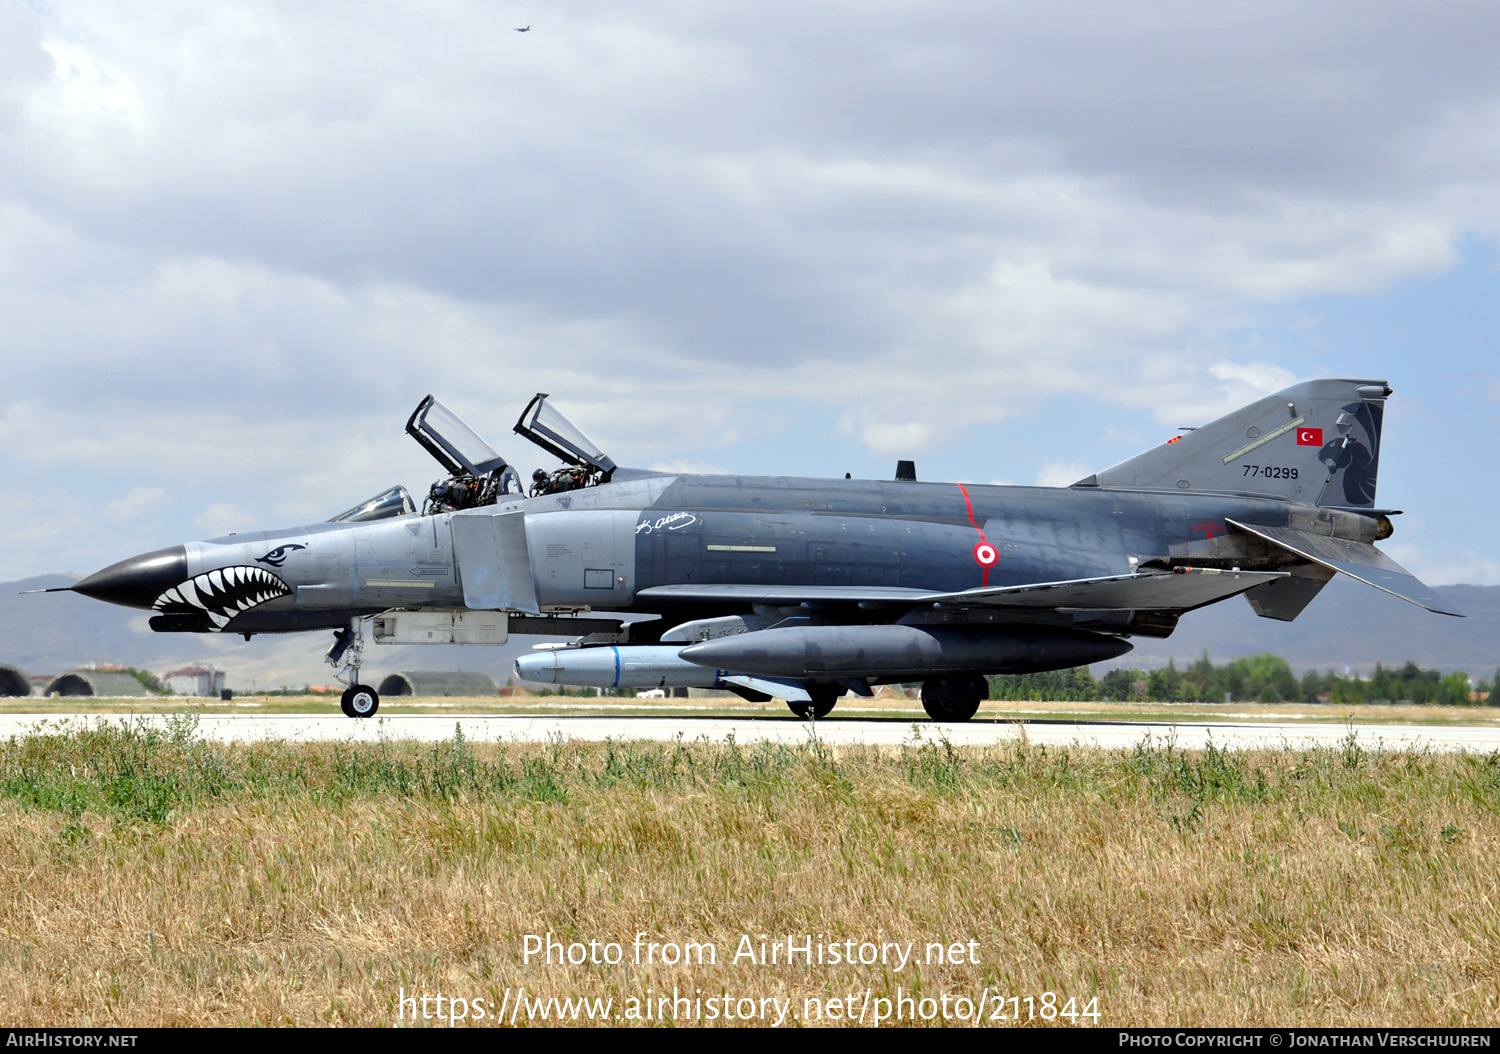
222, 593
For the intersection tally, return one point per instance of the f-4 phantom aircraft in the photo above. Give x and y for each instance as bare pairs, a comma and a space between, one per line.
804, 589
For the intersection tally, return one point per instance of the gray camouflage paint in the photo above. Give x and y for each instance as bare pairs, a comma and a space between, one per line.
1301, 461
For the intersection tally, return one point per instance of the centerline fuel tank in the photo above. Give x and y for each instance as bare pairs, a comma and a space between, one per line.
903, 651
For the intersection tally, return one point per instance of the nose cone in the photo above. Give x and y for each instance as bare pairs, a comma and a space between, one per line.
138, 581
538, 666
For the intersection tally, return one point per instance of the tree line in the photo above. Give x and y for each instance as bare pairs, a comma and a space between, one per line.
1256, 678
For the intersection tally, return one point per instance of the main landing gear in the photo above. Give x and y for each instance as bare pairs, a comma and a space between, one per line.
824, 697
358, 700
954, 698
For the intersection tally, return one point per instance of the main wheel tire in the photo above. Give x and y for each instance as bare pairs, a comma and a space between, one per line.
954, 698
360, 700
806, 710
824, 698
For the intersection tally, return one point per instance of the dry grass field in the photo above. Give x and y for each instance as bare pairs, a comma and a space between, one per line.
154, 878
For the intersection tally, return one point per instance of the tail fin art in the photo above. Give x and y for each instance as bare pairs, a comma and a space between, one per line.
1316, 443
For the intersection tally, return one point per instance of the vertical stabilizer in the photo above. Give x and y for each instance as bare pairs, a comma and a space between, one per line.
1316, 443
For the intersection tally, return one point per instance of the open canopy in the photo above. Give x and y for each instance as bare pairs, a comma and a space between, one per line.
546, 426
455, 445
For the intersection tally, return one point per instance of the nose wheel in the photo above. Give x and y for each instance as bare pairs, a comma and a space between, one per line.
358, 700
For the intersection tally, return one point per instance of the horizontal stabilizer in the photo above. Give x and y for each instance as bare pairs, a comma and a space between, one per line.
788, 690
1179, 590
1359, 560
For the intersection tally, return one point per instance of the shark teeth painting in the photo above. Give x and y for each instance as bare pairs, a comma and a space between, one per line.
223, 593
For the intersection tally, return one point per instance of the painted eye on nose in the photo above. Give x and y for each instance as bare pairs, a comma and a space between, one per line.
277, 556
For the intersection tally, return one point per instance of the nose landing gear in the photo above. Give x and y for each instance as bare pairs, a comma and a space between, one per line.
358, 700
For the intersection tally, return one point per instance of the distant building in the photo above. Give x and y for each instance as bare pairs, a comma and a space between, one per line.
195, 680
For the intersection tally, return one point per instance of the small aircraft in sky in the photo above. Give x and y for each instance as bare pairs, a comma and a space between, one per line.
804, 589
523, 29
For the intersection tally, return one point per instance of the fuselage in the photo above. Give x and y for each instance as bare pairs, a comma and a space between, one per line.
601, 548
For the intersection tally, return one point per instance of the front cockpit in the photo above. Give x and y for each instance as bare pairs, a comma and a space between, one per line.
478, 475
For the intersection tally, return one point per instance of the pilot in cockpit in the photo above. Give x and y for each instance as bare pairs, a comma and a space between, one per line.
566, 478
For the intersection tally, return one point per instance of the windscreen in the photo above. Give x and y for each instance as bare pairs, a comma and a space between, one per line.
393, 502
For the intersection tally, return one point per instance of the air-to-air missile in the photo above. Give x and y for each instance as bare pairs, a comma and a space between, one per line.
805, 589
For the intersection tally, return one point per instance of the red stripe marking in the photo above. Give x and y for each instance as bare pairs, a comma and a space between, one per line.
970, 507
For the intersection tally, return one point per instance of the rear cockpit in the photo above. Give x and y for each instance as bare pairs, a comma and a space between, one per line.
584, 464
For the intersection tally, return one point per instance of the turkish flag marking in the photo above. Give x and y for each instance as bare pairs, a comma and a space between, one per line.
1309, 437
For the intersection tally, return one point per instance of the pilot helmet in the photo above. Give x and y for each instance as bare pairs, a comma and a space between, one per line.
538, 476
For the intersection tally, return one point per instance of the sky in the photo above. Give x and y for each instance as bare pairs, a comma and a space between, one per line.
1014, 242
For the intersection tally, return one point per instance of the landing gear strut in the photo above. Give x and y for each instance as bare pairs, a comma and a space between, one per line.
824, 697
954, 698
358, 700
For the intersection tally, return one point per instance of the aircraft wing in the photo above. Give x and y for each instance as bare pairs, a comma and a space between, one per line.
1180, 590
1359, 560
1149, 591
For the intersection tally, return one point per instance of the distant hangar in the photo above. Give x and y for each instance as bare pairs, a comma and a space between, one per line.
436, 683
111, 683
13, 681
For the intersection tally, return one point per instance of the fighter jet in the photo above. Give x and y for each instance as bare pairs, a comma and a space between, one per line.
804, 589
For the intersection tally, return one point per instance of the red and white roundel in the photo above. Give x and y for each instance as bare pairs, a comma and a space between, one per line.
985, 555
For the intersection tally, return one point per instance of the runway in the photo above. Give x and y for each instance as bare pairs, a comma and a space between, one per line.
296, 728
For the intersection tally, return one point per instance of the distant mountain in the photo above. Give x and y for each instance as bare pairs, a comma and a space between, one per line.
1349, 624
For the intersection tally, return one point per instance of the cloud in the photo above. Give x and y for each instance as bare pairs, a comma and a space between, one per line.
222, 517
238, 242
135, 502
690, 467
1061, 474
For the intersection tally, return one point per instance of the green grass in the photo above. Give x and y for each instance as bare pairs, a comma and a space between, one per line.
156, 877
140, 770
